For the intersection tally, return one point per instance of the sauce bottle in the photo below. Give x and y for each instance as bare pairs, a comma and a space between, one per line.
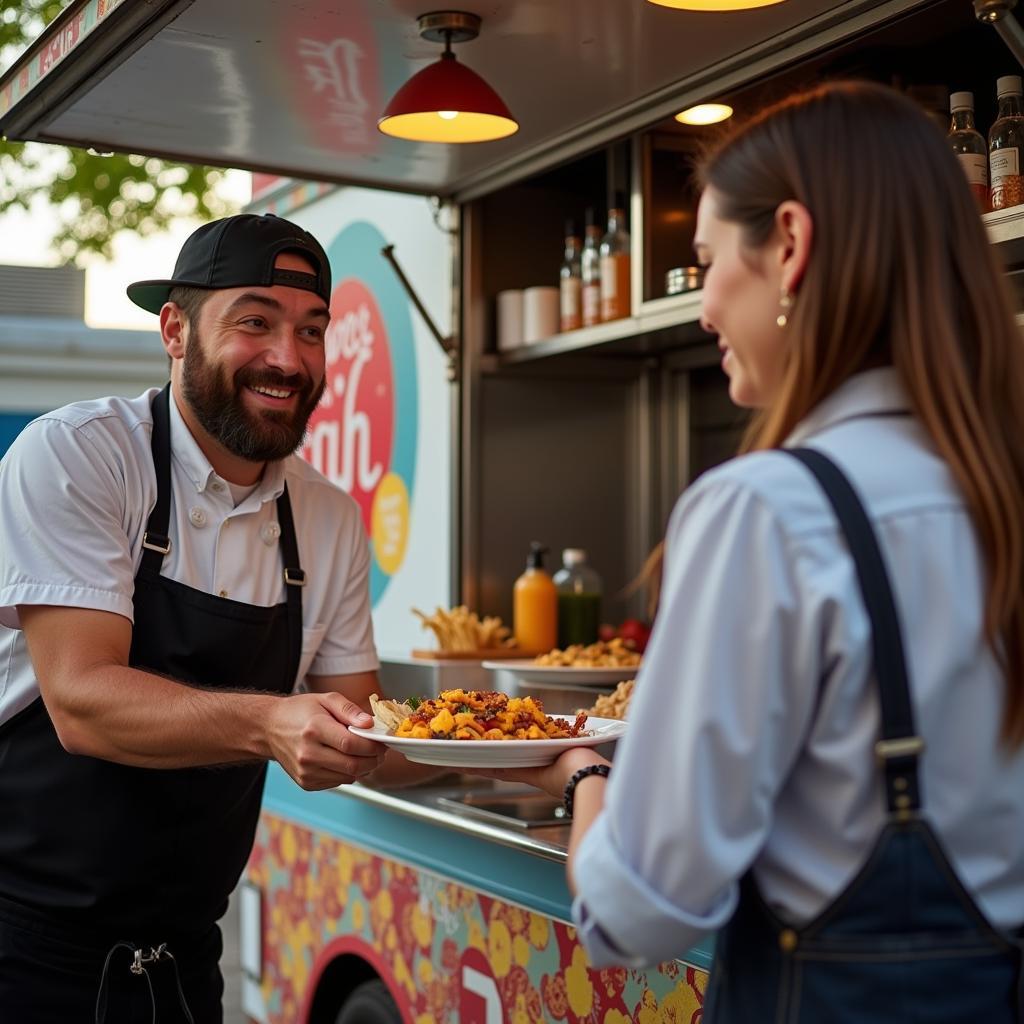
615, 284
1005, 145
968, 145
535, 605
579, 599
590, 271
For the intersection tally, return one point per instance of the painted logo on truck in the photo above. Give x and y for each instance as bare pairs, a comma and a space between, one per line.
362, 436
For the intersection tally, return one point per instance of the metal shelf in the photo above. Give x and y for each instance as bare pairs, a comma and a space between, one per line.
1005, 229
656, 315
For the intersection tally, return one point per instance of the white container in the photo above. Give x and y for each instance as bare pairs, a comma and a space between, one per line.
541, 310
510, 319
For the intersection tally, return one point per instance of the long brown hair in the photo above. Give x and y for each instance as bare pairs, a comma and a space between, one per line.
901, 273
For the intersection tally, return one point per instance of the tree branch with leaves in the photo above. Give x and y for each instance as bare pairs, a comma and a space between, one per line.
95, 196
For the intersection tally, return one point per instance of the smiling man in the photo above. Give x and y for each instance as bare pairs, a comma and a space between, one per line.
181, 599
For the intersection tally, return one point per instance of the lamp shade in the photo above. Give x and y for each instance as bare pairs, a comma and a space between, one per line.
447, 102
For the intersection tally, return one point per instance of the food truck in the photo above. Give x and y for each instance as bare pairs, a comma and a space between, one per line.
448, 902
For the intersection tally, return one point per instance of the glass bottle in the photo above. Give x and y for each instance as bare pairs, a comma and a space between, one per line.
615, 265
1005, 142
570, 286
969, 146
579, 599
590, 270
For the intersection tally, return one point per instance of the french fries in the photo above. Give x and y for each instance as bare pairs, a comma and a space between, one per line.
462, 630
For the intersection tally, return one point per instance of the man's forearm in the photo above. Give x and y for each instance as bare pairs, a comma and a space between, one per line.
138, 718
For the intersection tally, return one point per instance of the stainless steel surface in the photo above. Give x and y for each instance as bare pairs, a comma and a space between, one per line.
297, 89
420, 677
511, 810
548, 841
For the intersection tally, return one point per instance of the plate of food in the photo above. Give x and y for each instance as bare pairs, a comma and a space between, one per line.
527, 671
482, 729
597, 664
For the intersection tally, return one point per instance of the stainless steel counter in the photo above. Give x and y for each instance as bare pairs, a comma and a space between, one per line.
474, 807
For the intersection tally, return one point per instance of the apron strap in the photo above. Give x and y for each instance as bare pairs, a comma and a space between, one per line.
155, 541
294, 579
899, 746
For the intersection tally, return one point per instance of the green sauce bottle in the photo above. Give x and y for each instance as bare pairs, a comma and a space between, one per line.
579, 599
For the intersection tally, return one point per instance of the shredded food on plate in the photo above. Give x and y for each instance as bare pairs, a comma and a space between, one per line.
474, 715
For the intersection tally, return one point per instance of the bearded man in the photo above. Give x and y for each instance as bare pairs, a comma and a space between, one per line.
182, 599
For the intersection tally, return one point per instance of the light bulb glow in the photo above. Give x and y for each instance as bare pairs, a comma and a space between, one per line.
705, 113
467, 127
714, 5
448, 115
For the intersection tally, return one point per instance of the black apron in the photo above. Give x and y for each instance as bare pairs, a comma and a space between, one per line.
96, 852
904, 941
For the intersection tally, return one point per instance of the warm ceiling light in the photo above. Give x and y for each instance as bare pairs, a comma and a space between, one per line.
705, 113
714, 5
446, 102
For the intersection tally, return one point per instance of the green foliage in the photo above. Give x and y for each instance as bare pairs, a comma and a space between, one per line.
95, 196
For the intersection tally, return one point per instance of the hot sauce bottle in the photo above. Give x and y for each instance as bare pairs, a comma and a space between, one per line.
535, 605
969, 147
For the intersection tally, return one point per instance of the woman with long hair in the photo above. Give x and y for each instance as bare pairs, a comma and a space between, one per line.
825, 756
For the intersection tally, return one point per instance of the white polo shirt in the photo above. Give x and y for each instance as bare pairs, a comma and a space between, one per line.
76, 489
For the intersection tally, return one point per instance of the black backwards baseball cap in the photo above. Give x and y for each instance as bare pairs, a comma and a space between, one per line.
239, 252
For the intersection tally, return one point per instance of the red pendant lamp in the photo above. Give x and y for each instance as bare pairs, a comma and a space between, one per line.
446, 101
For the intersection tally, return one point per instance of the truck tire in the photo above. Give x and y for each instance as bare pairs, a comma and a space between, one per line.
370, 1003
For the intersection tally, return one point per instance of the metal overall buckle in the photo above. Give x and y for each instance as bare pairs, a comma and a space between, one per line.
155, 954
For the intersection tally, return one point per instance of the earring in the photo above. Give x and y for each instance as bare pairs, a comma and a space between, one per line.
785, 302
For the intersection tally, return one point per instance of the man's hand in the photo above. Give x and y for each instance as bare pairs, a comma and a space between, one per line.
308, 736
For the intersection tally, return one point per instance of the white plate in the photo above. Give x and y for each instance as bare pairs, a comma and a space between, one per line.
494, 753
528, 672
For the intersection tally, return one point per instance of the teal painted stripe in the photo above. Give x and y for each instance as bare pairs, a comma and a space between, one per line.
496, 870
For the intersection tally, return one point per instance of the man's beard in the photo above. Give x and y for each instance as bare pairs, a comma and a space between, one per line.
217, 404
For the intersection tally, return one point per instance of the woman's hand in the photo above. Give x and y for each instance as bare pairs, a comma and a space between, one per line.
551, 778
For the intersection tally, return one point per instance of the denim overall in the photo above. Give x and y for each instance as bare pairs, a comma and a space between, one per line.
112, 877
904, 941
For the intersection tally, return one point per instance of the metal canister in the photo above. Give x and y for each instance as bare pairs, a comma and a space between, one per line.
683, 279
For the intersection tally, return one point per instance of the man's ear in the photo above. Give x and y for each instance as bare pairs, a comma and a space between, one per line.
173, 330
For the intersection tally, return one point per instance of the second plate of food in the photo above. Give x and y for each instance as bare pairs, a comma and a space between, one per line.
528, 671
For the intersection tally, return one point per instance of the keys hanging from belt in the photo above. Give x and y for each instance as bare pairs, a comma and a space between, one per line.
138, 967
155, 953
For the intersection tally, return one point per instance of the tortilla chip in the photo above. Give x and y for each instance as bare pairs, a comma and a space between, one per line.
389, 713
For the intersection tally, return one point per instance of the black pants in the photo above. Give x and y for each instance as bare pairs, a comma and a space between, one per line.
50, 974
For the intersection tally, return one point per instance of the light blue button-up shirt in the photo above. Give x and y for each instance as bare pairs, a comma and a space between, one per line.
752, 728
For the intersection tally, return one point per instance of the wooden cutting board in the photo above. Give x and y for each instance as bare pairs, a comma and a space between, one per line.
488, 654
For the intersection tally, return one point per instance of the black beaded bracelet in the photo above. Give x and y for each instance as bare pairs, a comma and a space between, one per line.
577, 777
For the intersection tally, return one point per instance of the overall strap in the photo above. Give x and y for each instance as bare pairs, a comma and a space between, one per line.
899, 746
294, 578
155, 541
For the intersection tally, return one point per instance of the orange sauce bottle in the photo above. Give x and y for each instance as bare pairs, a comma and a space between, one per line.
535, 605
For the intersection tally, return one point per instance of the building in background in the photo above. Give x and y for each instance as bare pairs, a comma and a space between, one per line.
49, 357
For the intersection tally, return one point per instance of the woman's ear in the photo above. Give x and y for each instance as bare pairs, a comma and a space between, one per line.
173, 324
795, 233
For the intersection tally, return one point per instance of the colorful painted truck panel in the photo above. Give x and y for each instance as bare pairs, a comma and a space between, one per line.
448, 951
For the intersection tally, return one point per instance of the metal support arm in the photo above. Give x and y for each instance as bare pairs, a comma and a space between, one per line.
999, 14
448, 344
